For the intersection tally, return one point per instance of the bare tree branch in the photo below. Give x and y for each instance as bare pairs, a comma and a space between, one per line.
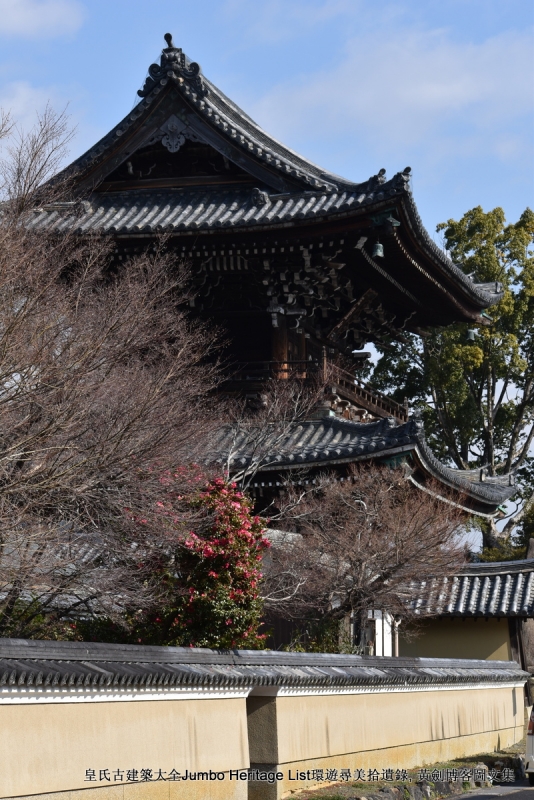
360, 544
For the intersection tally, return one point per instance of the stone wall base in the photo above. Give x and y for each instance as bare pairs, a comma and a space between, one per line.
403, 757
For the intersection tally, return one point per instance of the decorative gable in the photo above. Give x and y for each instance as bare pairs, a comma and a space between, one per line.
175, 156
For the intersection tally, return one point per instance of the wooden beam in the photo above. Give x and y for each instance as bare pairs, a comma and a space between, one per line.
365, 300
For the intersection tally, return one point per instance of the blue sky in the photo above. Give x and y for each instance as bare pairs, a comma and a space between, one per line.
445, 86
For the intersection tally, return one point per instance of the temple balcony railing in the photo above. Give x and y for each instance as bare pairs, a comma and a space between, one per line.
251, 376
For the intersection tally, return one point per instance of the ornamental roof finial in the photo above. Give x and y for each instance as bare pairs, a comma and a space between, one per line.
174, 66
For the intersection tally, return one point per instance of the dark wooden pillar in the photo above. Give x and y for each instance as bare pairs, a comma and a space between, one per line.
279, 345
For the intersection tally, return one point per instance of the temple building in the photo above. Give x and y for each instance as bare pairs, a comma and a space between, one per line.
485, 611
301, 267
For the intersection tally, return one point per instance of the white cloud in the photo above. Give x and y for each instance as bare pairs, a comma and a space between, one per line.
412, 88
23, 101
40, 18
278, 20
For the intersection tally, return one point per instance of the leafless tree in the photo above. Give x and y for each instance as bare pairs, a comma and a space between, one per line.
254, 435
31, 159
364, 542
104, 383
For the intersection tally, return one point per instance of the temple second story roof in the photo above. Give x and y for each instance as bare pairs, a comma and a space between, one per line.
297, 265
328, 442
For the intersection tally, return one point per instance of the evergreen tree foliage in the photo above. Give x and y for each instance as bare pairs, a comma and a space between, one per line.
474, 384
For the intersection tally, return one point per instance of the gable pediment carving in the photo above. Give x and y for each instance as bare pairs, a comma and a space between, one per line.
173, 134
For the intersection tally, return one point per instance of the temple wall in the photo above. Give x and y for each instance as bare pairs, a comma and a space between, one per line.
86, 721
47, 747
395, 729
459, 638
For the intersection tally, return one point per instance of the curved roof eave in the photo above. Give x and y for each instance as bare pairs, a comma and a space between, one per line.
491, 491
478, 293
235, 129
331, 441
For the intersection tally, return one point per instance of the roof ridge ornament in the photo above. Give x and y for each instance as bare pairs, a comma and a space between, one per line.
174, 65
259, 197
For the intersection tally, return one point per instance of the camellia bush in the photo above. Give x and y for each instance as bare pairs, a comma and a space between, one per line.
208, 576
220, 572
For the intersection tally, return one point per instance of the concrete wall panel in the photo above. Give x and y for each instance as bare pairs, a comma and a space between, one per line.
48, 747
317, 726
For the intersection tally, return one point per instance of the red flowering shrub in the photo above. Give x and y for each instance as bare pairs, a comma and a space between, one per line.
202, 550
220, 570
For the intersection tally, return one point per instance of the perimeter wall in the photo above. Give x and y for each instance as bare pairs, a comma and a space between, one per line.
378, 730
89, 742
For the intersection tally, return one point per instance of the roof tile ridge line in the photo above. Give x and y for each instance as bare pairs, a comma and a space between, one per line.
232, 211
505, 596
518, 587
462, 595
212, 210
164, 209
257, 148
229, 105
452, 594
432, 593
135, 214
474, 593
495, 594
444, 593
309, 203
306, 438
485, 592
128, 120
173, 215
227, 673
321, 199
527, 592
98, 149
256, 129
447, 262
496, 568
184, 213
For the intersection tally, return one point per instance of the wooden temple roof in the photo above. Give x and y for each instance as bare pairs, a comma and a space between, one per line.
276, 243
260, 193
494, 589
165, 211
325, 443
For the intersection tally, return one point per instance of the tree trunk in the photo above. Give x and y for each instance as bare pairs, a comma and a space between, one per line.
491, 536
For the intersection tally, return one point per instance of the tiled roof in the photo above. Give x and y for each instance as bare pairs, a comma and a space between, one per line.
499, 589
148, 211
141, 212
218, 115
299, 190
80, 664
332, 440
